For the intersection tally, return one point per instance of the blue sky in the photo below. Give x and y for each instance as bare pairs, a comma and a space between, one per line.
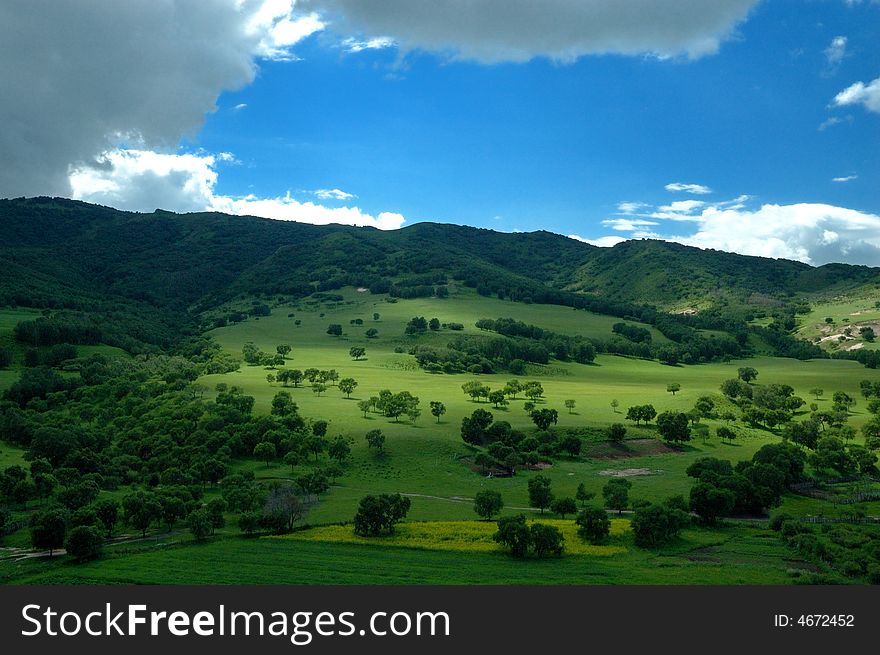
544, 145
745, 125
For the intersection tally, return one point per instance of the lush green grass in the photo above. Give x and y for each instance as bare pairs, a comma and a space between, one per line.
730, 555
423, 459
10, 455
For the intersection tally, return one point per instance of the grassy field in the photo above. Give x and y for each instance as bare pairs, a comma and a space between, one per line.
425, 460
730, 555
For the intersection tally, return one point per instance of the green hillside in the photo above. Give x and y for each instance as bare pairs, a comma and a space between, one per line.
170, 380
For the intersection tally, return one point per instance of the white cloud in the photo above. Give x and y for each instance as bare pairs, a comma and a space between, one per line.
861, 94
493, 31
80, 78
602, 242
835, 52
809, 232
682, 206
142, 180
354, 45
845, 178
278, 29
627, 224
240, 106
831, 121
696, 189
630, 207
333, 194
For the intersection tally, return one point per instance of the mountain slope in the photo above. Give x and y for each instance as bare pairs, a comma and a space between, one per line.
63, 253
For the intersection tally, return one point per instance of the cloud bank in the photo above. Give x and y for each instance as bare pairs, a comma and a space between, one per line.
80, 78
492, 31
813, 233
142, 180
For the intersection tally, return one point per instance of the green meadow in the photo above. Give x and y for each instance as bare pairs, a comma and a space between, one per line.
428, 461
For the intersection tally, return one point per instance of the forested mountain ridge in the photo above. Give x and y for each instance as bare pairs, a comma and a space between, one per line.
61, 253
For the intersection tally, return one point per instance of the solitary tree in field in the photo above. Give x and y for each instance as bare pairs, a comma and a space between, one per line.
616, 494
334, 330
375, 439
747, 373
375, 316
569, 405
817, 392
283, 350
614, 405
270, 378
487, 504
434, 324
563, 506
438, 409
543, 418
347, 385
540, 495
372, 333
673, 387
357, 352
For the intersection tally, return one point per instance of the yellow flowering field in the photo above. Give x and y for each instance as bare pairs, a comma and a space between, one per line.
475, 536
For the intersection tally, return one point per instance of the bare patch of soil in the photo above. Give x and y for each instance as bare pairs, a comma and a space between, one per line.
628, 448
627, 473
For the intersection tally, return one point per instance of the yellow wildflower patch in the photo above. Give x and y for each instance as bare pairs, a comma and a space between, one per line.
472, 536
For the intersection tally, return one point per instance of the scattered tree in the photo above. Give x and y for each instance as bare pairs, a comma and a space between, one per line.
546, 540
616, 494
563, 506
583, 495
375, 439
84, 543
378, 514
487, 504
513, 533
593, 524
347, 386
540, 495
